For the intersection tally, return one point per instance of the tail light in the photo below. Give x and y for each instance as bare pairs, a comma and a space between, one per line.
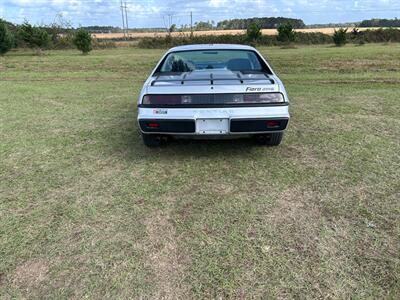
162, 99
213, 99
153, 125
264, 98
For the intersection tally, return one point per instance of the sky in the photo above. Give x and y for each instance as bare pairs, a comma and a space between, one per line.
154, 13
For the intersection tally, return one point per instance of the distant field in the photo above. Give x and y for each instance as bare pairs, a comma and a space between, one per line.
211, 32
88, 212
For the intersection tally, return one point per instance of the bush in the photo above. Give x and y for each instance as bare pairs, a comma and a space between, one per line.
264, 40
307, 38
6, 39
83, 41
61, 32
381, 35
253, 32
359, 43
63, 41
268, 40
172, 28
286, 33
312, 38
33, 37
103, 44
339, 37
169, 41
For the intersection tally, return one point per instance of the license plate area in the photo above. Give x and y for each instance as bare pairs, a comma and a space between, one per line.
212, 126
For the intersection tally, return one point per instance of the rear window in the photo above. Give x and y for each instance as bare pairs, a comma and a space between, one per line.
234, 60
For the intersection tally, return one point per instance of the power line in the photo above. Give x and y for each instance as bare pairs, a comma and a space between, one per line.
126, 20
191, 23
167, 19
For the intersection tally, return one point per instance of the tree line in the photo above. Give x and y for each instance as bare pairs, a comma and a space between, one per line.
264, 23
380, 23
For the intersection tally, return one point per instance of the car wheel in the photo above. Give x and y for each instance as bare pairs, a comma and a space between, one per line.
272, 139
151, 140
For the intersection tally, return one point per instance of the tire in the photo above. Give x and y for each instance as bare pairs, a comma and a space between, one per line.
151, 140
272, 139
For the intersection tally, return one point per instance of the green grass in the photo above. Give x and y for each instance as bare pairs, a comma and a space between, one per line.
87, 211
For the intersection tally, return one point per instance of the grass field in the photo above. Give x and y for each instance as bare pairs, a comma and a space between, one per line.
87, 211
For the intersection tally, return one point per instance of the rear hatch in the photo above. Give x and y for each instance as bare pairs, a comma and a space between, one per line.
212, 81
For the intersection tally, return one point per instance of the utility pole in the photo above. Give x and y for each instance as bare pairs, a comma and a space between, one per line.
168, 22
123, 20
126, 20
191, 24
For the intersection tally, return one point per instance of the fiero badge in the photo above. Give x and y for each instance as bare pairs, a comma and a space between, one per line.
259, 89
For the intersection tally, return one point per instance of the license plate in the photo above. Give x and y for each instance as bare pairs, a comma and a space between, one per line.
212, 126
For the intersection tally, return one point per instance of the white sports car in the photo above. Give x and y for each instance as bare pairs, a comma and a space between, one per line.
209, 91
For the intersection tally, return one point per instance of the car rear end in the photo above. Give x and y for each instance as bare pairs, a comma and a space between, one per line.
213, 103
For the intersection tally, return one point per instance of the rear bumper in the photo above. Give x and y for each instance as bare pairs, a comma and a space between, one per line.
241, 120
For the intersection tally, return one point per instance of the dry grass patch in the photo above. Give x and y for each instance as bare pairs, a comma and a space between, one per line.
30, 274
165, 257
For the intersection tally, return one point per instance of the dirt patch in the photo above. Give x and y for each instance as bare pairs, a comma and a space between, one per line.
293, 204
31, 273
295, 217
164, 257
2, 278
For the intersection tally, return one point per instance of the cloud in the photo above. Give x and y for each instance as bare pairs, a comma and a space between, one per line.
217, 3
150, 13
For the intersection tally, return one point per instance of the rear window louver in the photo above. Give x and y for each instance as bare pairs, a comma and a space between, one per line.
242, 78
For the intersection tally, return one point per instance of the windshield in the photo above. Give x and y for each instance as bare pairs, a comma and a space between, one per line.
234, 60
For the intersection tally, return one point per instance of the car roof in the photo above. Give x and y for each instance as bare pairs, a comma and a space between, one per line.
210, 47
